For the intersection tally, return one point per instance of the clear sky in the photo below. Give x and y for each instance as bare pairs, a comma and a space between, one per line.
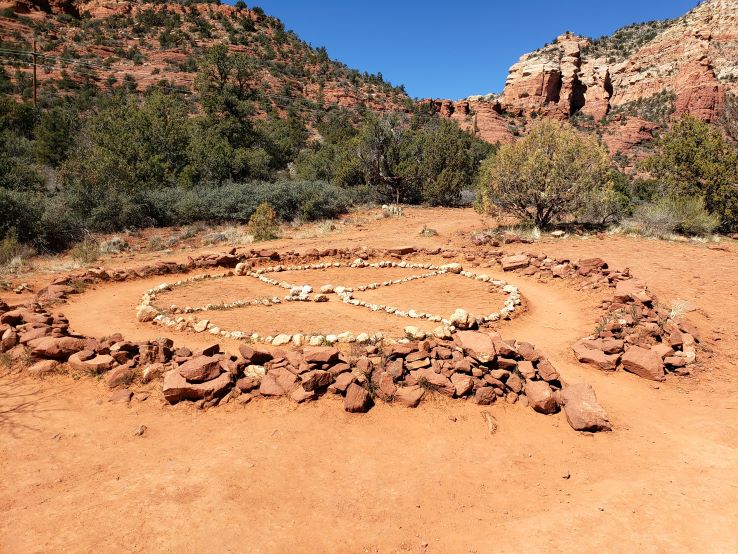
446, 49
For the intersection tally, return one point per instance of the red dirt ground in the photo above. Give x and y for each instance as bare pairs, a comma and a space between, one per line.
275, 477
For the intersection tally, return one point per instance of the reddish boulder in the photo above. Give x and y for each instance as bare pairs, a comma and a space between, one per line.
254, 356
56, 348
176, 387
644, 362
594, 357
582, 410
320, 354
357, 400
341, 383
202, 368
510, 263
316, 379
479, 343
463, 384
485, 396
410, 396
269, 386
540, 397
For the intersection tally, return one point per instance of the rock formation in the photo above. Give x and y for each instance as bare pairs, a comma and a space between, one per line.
647, 73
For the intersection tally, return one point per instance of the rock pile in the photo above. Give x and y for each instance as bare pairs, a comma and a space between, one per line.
635, 334
480, 367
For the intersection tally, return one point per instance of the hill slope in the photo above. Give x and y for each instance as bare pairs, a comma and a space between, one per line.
109, 42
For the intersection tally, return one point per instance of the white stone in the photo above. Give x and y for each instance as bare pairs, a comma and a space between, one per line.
281, 340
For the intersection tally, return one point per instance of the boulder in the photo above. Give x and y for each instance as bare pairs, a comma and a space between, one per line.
176, 387
270, 387
121, 396
254, 356
301, 395
316, 379
547, 371
644, 362
43, 368
485, 396
541, 397
357, 400
57, 348
96, 364
386, 386
122, 375
410, 396
461, 319
342, 383
582, 410
511, 263
594, 357
463, 384
320, 354
200, 369
479, 343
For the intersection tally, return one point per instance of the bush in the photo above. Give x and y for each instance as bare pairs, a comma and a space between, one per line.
263, 223
86, 251
675, 214
13, 252
694, 159
547, 175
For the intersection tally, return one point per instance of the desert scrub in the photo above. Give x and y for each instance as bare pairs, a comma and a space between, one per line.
13, 254
263, 223
86, 251
230, 235
674, 214
114, 245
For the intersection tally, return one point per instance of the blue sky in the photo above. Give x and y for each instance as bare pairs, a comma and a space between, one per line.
444, 49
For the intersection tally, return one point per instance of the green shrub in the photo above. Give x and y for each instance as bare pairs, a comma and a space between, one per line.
675, 214
263, 223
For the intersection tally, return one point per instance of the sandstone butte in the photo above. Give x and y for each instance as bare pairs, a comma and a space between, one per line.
694, 58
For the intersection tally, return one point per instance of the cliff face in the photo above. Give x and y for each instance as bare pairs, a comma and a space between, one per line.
641, 76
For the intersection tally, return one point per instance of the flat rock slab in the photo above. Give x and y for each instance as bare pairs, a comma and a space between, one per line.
583, 411
177, 388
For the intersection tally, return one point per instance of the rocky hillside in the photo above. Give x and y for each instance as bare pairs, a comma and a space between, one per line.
109, 43
623, 86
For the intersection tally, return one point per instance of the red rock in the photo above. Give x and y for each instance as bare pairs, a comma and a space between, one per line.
643, 362
202, 368
37, 333
341, 383
301, 395
316, 379
254, 356
485, 396
121, 396
547, 371
595, 358
386, 386
474, 341
56, 348
357, 400
511, 263
270, 387
582, 410
410, 396
246, 384
120, 376
43, 368
515, 383
176, 387
96, 365
436, 381
463, 384
540, 397
526, 369
320, 354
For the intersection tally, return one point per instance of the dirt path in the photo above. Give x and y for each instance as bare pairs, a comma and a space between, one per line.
275, 477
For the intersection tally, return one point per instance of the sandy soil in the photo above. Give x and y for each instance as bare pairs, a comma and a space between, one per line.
275, 477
